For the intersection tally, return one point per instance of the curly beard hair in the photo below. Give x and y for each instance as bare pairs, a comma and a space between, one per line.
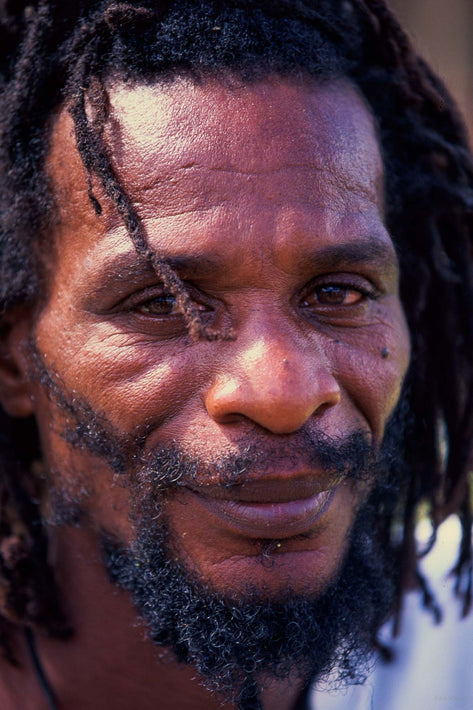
235, 641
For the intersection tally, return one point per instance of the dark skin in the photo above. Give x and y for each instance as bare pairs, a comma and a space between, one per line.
267, 200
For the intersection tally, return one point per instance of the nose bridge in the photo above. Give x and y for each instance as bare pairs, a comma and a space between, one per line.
273, 377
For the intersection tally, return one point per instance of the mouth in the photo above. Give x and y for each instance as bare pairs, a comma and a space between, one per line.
269, 509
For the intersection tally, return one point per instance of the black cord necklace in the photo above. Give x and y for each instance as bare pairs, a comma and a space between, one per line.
39, 670
251, 701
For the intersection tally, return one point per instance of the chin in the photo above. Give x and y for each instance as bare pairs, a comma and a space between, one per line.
232, 628
223, 554
273, 571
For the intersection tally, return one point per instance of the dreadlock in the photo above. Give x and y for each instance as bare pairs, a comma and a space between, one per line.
60, 53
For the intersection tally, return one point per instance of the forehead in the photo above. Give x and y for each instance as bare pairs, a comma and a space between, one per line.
297, 122
185, 150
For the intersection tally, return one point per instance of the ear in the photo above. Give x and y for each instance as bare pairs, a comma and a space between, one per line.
16, 388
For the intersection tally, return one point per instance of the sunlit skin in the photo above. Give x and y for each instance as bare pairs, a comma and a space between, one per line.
267, 199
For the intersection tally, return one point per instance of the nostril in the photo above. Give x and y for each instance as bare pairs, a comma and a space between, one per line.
324, 407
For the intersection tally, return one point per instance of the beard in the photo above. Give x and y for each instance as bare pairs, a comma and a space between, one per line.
235, 642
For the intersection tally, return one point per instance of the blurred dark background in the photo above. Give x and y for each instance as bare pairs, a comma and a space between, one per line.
443, 32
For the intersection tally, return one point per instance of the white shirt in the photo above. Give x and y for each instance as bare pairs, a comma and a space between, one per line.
433, 664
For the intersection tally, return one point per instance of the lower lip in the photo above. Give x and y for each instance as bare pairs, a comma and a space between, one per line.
271, 520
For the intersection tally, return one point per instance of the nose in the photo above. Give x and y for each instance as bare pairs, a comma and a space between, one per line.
273, 383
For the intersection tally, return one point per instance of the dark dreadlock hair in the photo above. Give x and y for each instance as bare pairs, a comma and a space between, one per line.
55, 53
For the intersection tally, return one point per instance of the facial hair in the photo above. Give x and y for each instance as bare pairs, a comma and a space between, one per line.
234, 642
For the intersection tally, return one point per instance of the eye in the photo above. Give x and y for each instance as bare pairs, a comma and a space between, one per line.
335, 295
163, 305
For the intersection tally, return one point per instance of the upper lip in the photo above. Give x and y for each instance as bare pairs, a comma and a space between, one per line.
271, 489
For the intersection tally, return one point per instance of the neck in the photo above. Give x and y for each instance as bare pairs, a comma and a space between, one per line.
109, 662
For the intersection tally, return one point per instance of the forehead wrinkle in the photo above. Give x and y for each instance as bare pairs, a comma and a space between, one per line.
181, 133
306, 194
206, 195
331, 173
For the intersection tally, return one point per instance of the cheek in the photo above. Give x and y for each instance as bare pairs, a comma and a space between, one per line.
133, 380
371, 366
81, 486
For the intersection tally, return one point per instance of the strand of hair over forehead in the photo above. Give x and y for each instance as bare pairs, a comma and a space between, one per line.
431, 220
421, 88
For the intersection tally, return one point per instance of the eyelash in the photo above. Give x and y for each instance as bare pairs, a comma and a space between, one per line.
140, 303
364, 292
143, 301
146, 304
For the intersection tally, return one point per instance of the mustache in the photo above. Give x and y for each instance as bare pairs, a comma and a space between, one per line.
354, 457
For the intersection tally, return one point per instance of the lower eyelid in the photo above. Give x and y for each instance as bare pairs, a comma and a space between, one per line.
175, 311
317, 293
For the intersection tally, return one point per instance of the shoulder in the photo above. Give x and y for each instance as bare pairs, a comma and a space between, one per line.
433, 663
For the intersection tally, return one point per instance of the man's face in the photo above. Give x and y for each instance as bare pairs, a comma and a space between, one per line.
267, 201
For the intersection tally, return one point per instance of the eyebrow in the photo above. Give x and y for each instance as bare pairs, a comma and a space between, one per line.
369, 250
130, 267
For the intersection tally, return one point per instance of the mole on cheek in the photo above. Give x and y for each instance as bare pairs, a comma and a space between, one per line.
385, 353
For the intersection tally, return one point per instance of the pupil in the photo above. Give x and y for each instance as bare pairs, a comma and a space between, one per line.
333, 294
160, 305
